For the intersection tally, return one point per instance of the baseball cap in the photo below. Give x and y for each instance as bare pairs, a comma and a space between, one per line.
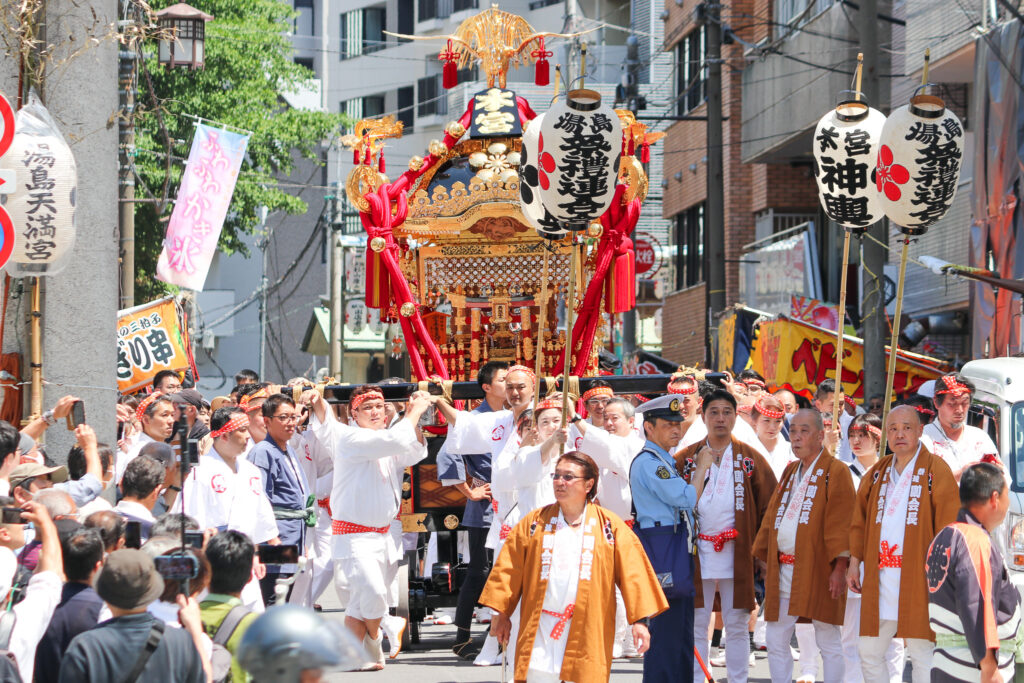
218, 402
188, 397
662, 408
32, 469
129, 580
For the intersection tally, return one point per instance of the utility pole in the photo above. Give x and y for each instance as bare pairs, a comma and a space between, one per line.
127, 61
714, 212
337, 298
876, 333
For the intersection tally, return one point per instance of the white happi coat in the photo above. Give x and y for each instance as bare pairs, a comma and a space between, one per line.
218, 497
740, 431
613, 454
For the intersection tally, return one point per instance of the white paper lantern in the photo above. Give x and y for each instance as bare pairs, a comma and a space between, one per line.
579, 150
845, 149
42, 207
918, 166
529, 185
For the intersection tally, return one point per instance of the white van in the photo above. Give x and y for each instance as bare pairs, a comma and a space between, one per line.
998, 408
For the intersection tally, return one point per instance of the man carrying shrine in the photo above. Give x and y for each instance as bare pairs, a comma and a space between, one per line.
156, 413
949, 436
369, 464
903, 501
225, 491
974, 607
562, 563
805, 544
737, 489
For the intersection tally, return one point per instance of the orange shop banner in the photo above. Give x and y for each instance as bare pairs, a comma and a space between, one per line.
800, 356
149, 339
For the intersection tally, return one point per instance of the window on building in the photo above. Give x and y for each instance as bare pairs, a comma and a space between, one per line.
373, 106
374, 25
367, 107
306, 62
438, 9
406, 18
406, 107
691, 78
459, 5
430, 97
305, 22
538, 4
362, 31
690, 247
792, 14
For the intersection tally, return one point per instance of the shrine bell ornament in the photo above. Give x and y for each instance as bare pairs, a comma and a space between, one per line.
42, 207
579, 151
845, 149
919, 160
529, 184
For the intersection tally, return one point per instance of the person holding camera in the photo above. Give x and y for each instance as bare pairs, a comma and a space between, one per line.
135, 645
369, 464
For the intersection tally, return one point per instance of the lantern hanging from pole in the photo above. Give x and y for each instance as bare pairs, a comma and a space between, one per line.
918, 169
845, 149
184, 42
579, 148
42, 203
530, 177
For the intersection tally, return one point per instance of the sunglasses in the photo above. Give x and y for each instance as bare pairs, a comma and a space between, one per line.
555, 476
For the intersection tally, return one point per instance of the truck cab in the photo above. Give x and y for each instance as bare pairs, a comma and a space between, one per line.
998, 408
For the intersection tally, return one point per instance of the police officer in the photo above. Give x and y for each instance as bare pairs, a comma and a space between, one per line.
664, 503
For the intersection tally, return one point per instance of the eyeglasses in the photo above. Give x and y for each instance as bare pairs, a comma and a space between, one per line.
286, 418
555, 476
598, 401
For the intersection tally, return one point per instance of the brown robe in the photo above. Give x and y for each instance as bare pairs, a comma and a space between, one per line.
824, 538
939, 504
619, 560
758, 485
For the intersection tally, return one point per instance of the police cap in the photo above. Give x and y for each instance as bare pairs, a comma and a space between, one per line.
662, 408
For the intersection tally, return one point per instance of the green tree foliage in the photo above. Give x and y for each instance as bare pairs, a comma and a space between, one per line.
248, 69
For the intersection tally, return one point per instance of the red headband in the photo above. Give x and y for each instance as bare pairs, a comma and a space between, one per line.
146, 403
873, 431
231, 425
849, 401
523, 368
243, 403
754, 381
640, 398
597, 391
953, 387
770, 413
548, 403
362, 398
925, 411
744, 409
690, 389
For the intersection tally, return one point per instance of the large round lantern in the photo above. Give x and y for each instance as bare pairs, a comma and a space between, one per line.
529, 185
845, 149
579, 150
42, 205
918, 166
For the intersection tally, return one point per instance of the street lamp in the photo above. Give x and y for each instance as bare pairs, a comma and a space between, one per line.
185, 35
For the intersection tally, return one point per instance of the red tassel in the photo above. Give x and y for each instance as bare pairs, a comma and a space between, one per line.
620, 287
355, 157
645, 153
378, 286
542, 73
450, 73
367, 159
632, 146
380, 163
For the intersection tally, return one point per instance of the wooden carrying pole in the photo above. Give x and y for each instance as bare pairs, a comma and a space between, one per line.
570, 319
894, 344
543, 294
837, 404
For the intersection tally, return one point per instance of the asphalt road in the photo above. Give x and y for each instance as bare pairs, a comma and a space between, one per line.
432, 661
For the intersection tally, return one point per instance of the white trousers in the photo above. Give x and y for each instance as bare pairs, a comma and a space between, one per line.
851, 644
873, 650
737, 642
806, 642
779, 635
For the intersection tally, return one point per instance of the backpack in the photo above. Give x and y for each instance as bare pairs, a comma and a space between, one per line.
221, 658
9, 671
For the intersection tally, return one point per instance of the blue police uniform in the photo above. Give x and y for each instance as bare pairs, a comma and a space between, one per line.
662, 498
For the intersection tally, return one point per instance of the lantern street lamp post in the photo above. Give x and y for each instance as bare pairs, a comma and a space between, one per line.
183, 43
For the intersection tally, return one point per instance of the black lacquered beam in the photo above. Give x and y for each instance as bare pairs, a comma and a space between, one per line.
620, 384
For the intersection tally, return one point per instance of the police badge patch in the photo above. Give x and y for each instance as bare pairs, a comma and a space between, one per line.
663, 472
